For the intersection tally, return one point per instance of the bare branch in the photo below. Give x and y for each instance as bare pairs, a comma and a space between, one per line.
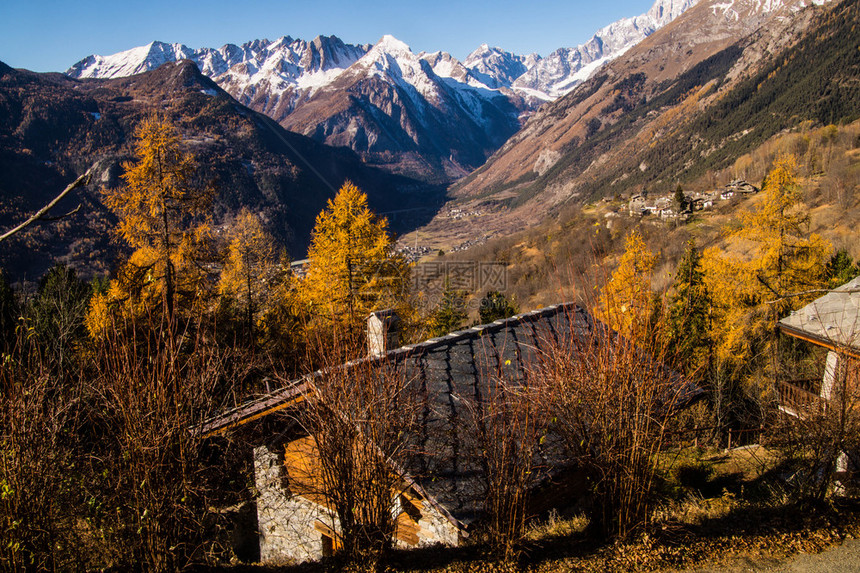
80, 181
61, 217
812, 291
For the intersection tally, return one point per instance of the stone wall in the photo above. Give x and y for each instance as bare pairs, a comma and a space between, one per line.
433, 528
288, 524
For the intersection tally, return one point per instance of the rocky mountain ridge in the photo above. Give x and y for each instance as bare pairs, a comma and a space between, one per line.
686, 101
397, 118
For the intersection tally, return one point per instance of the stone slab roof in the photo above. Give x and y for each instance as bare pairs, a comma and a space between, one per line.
832, 321
516, 338
452, 373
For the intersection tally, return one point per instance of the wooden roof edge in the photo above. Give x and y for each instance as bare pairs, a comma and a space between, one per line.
818, 340
257, 408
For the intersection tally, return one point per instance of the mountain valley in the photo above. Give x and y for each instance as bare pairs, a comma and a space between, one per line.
680, 107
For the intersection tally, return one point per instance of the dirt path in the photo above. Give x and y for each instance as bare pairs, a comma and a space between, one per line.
844, 558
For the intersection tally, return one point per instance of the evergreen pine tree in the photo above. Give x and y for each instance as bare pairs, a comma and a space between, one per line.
688, 314
841, 269
451, 312
496, 306
680, 198
58, 312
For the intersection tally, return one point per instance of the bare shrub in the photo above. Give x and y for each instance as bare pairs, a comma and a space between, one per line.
38, 423
611, 398
360, 416
509, 424
147, 470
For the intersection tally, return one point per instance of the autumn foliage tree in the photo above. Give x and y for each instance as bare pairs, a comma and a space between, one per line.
625, 303
770, 268
161, 216
250, 266
352, 266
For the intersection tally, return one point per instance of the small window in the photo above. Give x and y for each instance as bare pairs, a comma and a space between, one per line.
327, 546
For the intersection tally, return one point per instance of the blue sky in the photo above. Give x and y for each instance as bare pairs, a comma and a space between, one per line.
52, 35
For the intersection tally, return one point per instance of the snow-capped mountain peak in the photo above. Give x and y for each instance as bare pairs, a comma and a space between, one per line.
130, 62
497, 68
392, 45
383, 98
566, 68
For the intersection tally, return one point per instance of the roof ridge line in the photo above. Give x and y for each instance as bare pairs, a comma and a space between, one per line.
481, 328
232, 416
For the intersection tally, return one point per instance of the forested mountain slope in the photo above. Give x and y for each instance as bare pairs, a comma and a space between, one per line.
53, 128
690, 98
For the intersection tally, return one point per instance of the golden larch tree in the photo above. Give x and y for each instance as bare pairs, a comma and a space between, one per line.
625, 303
770, 264
161, 215
251, 266
352, 265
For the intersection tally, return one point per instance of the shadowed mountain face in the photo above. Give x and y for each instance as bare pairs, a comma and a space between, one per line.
53, 128
396, 111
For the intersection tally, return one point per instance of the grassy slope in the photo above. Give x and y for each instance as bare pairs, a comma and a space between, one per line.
558, 259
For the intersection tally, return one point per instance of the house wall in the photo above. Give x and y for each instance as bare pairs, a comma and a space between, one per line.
286, 522
292, 519
424, 526
830, 373
841, 379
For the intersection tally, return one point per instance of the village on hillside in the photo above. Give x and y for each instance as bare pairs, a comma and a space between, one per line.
675, 206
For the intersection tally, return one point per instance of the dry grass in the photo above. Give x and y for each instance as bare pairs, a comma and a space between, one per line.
689, 532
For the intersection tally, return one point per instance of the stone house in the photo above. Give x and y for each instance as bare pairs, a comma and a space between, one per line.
701, 201
442, 487
738, 187
637, 206
741, 187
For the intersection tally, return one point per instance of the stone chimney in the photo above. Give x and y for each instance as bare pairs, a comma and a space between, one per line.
383, 332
